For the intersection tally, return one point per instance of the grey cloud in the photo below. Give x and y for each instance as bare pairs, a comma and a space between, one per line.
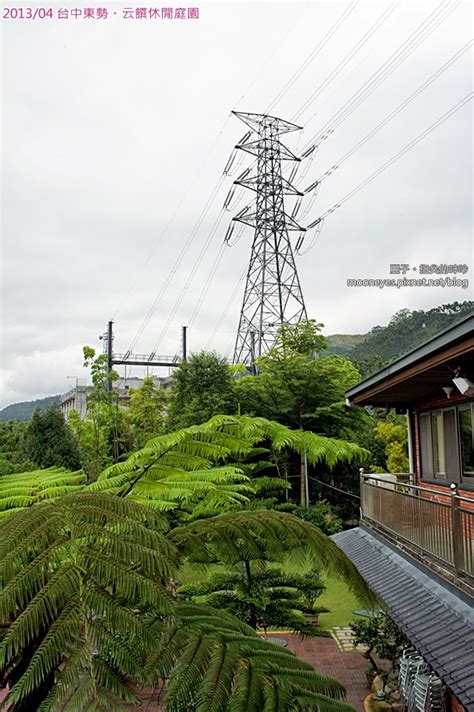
112, 130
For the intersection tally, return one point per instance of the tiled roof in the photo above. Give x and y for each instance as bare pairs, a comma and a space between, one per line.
437, 621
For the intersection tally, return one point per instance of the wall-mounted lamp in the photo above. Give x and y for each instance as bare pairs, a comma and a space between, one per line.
464, 386
448, 390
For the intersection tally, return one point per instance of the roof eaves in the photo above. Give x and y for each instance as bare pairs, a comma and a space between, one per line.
435, 343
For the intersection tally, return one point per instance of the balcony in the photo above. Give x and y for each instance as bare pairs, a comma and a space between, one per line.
436, 529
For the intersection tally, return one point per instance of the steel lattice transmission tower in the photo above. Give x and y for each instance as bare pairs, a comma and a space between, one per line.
273, 293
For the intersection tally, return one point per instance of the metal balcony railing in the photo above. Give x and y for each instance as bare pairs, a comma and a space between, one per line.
437, 525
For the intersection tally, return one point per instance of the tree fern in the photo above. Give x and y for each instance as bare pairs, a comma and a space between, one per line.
199, 465
221, 666
246, 536
263, 599
77, 578
21, 490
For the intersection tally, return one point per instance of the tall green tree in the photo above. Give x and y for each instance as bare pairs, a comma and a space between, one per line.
146, 411
48, 442
301, 386
12, 456
393, 434
110, 427
202, 387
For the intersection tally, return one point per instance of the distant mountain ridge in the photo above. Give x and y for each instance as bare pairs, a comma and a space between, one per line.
25, 409
405, 331
369, 352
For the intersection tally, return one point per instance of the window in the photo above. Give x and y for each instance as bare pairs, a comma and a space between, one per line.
426, 444
447, 444
438, 440
466, 432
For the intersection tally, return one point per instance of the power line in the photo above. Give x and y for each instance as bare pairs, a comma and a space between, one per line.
189, 280
325, 484
170, 221
414, 40
207, 284
398, 109
313, 54
270, 57
400, 153
226, 310
176, 264
348, 57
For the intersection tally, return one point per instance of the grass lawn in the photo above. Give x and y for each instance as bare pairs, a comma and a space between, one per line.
341, 603
337, 597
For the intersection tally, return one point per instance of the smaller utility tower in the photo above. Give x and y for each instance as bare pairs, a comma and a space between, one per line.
131, 359
273, 293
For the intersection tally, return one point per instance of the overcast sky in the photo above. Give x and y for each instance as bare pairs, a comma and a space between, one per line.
115, 133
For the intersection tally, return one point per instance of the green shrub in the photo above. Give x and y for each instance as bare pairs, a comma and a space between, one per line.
322, 515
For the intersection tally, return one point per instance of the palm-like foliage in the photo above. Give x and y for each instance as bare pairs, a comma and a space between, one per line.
265, 536
262, 599
218, 664
78, 578
199, 465
21, 490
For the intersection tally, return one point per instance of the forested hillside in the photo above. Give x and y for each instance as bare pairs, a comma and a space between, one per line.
25, 409
406, 330
342, 344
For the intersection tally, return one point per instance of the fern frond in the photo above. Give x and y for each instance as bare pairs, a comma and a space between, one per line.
264, 535
76, 593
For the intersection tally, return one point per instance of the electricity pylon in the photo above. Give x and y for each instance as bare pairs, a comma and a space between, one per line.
272, 294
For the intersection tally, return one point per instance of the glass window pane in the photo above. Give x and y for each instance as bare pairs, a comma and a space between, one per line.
467, 442
451, 445
439, 458
426, 446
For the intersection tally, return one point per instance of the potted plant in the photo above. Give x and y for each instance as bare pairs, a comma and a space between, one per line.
370, 675
311, 587
382, 637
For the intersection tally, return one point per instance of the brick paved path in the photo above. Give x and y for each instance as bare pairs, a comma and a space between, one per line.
323, 653
347, 667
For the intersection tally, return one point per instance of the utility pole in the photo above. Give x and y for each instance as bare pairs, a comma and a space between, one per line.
185, 346
272, 295
110, 339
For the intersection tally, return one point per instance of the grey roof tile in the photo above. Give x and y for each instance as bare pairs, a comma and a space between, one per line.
439, 623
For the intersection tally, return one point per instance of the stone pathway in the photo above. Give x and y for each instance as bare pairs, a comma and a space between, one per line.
344, 640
